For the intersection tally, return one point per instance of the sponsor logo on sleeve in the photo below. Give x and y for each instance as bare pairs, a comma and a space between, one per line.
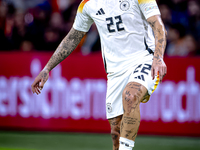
151, 7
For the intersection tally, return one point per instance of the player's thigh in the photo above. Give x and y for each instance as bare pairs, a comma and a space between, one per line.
142, 76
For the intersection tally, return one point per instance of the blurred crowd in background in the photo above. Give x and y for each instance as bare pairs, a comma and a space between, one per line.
40, 25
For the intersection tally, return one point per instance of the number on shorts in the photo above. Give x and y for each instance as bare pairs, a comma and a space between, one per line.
143, 69
136, 70
146, 68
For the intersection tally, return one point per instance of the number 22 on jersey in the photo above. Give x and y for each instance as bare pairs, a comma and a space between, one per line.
116, 21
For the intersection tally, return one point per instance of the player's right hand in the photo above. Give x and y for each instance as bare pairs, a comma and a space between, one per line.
158, 68
39, 82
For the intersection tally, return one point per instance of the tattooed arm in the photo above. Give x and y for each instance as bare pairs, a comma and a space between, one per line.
68, 44
160, 42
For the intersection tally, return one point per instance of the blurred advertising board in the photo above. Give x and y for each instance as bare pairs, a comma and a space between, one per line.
73, 99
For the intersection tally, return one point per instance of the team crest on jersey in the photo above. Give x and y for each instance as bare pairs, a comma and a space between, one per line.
124, 5
108, 107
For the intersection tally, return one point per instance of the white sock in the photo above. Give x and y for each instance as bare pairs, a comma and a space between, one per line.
125, 144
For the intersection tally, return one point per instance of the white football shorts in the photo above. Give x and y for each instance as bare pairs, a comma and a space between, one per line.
140, 73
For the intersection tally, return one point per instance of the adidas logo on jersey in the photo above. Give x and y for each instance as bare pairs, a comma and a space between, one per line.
100, 12
140, 77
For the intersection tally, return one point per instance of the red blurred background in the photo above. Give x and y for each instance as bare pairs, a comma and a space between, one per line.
73, 99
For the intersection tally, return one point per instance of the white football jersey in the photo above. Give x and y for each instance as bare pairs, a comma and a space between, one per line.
122, 26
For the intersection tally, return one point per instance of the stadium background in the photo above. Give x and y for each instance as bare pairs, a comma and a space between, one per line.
70, 113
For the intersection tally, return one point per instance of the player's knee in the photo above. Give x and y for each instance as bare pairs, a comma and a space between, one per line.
130, 101
130, 97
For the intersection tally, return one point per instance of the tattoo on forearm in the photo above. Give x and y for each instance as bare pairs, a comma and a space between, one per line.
68, 44
160, 38
152, 24
44, 77
161, 41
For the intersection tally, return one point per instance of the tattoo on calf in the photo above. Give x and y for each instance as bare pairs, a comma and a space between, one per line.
114, 123
128, 132
114, 136
122, 127
134, 135
129, 120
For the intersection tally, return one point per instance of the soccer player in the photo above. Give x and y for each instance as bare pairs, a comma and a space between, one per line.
133, 40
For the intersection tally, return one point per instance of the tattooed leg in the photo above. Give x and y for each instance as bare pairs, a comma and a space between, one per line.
133, 94
115, 131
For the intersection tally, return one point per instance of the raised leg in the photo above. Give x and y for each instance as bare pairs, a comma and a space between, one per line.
133, 94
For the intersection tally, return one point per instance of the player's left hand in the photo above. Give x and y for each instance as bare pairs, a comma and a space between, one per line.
158, 68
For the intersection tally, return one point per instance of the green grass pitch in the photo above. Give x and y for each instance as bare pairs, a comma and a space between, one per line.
86, 141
